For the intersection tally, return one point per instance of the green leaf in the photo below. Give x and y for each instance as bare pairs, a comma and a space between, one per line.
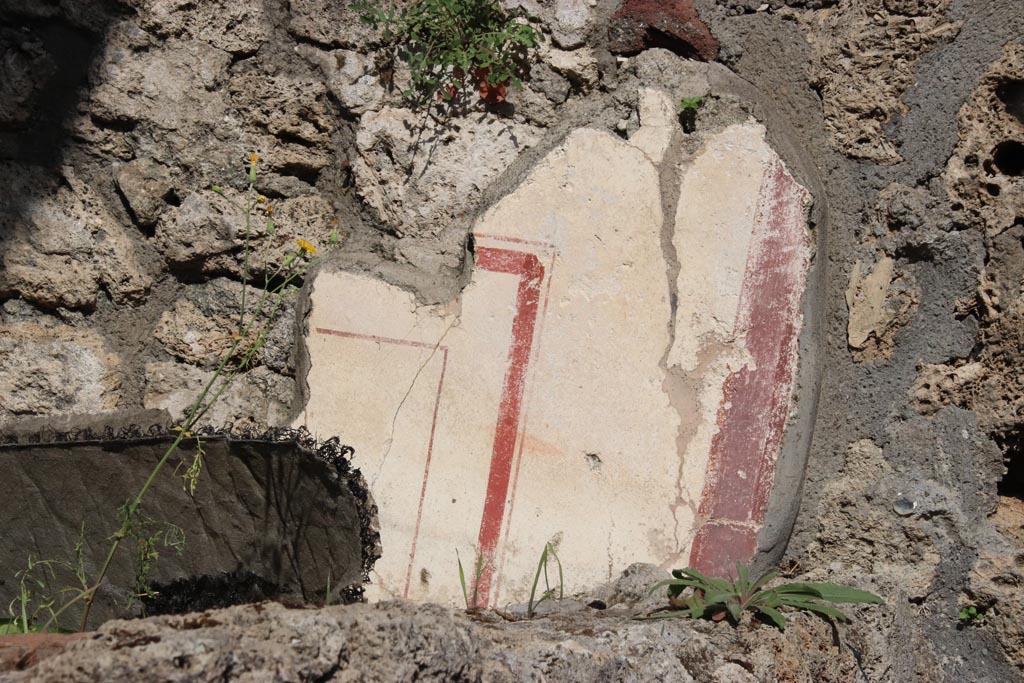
816, 607
8, 627
735, 611
742, 577
833, 593
462, 579
775, 616
765, 578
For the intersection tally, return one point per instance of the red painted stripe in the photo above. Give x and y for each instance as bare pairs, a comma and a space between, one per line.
531, 274
522, 429
719, 545
755, 402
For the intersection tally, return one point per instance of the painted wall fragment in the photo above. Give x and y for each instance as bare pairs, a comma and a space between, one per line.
615, 379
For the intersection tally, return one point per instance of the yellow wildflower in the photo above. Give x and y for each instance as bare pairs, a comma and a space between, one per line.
261, 199
305, 246
253, 158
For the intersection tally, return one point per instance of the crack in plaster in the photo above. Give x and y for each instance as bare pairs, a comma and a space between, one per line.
394, 420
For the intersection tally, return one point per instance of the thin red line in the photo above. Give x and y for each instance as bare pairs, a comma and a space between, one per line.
381, 340
426, 472
515, 240
531, 274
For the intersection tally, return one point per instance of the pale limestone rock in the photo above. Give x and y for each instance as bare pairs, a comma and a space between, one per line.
62, 243
351, 77
238, 27
199, 328
55, 370
145, 186
418, 179
579, 66
876, 305
207, 232
259, 397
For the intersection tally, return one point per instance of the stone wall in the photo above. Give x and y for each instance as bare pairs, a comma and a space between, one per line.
118, 266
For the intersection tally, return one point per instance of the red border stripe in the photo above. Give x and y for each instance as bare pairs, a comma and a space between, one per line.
531, 274
756, 399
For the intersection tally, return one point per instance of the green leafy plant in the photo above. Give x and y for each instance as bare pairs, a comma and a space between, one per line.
452, 46
549, 592
688, 107
972, 615
36, 600
479, 566
254, 325
695, 596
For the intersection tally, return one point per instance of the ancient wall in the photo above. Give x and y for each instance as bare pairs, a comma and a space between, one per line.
893, 132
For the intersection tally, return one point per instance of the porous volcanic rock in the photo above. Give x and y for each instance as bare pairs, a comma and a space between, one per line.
398, 641
640, 24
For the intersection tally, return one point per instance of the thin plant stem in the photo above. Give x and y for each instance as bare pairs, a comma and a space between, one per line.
196, 413
245, 259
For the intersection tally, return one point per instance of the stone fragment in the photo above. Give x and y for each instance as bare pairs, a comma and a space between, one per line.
351, 77
570, 21
469, 417
579, 66
865, 299
257, 398
877, 307
995, 584
146, 187
207, 232
55, 370
199, 328
239, 28
639, 24
330, 22
419, 180
399, 641
59, 243
166, 103
25, 650
940, 385
864, 58
295, 114
852, 524
25, 66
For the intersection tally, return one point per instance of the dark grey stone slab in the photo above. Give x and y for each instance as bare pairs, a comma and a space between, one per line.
271, 518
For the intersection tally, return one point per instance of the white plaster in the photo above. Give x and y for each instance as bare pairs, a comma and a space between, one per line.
658, 121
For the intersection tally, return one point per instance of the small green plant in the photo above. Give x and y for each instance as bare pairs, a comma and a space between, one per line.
695, 596
972, 615
479, 566
36, 600
688, 107
452, 46
549, 591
